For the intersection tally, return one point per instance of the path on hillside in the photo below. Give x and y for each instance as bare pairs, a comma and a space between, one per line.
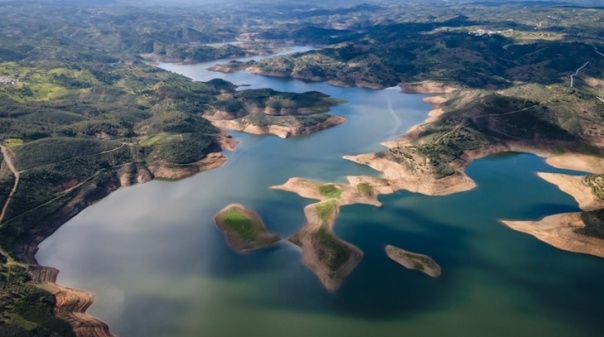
572, 77
78, 157
6, 153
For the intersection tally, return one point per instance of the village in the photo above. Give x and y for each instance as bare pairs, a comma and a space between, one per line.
8, 80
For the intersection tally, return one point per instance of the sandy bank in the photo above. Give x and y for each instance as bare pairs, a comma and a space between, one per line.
414, 261
577, 187
559, 231
426, 87
414, 176
243, 229
329, 257
577, 162
358, 192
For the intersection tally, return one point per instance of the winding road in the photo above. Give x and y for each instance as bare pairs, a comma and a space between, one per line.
6, 154
572, 77
597, 52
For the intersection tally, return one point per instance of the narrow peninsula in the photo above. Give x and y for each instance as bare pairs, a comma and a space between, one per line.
243, 229
329, 257
265, 111
579, 232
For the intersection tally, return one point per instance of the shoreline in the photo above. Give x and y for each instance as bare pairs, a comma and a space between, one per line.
576, 187
277, 130
559, 231
71, 304
394, 181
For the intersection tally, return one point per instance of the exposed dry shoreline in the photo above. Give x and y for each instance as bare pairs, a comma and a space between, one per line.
281, 131
559, 231
577, 188
71, 304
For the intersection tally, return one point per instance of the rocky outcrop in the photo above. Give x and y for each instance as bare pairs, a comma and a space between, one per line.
70, 304
171, 171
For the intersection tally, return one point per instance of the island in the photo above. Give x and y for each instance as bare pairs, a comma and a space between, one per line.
414, 261
243, 229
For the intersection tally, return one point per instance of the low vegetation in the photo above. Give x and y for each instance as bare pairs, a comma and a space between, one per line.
594, 224
24, 309
330, 191
596, 183
331, 251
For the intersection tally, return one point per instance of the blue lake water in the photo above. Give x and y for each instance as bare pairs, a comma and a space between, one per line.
159, 266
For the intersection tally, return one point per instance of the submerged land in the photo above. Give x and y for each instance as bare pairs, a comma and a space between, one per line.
83, 113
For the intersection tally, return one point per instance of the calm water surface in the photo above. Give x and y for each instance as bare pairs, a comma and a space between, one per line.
159, 267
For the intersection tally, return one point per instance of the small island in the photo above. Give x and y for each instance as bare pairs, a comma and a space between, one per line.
330, 258
243, 229
414, 261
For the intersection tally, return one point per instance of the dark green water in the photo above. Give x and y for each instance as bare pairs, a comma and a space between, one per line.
159, 266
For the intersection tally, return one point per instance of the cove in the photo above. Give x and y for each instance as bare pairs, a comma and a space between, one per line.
159, 266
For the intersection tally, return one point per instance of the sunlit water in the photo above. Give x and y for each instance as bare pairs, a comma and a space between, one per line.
159, 266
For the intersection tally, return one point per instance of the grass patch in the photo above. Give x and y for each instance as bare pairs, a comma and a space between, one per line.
418, 266
160, 138
240, 223
325, 210
330, 191
365, 189
13, 142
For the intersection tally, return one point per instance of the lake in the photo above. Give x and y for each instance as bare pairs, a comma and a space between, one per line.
159, 266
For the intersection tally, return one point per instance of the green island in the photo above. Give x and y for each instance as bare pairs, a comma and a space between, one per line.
84, 112
414, 261
243, 229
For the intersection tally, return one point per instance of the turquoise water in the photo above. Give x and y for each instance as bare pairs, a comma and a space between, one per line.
159, 266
